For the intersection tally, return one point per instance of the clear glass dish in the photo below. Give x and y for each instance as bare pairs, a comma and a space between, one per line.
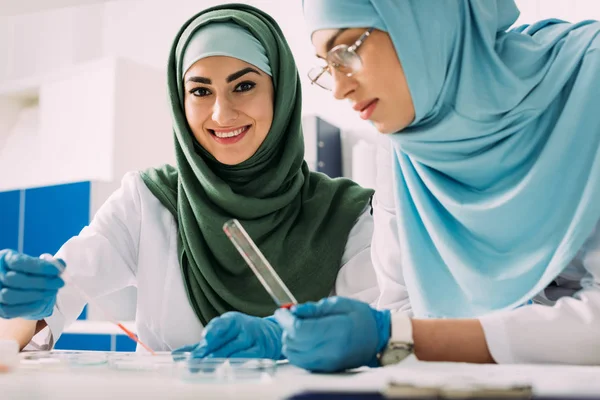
162, 362
219, 370
208, 370
57, 359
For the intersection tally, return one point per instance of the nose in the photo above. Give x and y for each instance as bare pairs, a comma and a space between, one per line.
224, 112
343, 84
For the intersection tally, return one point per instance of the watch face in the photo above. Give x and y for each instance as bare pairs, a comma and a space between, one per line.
395, 352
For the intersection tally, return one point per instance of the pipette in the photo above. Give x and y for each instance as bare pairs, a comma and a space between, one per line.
91, 301
259, 264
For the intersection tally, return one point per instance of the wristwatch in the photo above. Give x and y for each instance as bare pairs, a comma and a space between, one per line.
401, 343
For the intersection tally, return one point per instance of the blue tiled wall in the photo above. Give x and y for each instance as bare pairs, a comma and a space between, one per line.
9, 220
124, 343
52, 215
95, 342
79, 341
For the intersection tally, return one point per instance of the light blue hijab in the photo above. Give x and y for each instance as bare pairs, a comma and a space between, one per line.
225, 39
497, 180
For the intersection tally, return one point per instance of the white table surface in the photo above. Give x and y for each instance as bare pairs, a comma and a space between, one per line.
103, 383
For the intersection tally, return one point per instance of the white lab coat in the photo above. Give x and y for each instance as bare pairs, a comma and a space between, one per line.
132, 241
563, 326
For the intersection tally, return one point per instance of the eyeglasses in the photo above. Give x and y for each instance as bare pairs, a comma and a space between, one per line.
343, 58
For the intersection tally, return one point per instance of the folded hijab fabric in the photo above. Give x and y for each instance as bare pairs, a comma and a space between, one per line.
497, 180
225, 39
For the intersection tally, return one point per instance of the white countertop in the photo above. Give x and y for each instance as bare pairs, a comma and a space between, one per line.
89, 383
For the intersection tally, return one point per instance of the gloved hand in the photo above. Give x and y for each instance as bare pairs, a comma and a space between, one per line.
334, 334
28, 286
237, 335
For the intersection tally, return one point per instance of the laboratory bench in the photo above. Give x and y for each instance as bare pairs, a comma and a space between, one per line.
101, 383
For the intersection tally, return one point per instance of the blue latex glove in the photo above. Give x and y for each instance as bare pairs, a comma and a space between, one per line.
28, 286
334, 334
237, 335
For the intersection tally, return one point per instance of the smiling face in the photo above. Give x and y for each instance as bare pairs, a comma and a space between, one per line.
228, 106
379, 90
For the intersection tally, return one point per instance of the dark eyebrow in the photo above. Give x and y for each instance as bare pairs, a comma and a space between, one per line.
332, 39
241, 73
229, 79
199, 79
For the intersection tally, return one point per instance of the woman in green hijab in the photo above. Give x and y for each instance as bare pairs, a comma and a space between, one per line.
236, 107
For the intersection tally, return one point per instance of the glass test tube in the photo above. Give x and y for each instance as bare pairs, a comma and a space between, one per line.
259, 264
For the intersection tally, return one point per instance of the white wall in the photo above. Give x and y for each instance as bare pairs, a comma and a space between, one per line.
9, 113
6, 46
569, 10
63, 133
52, 40
15, 7
141, 126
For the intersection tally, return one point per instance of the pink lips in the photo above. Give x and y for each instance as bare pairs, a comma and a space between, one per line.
367, 110
230, 140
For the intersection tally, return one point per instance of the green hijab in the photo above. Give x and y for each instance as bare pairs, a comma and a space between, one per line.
299, 219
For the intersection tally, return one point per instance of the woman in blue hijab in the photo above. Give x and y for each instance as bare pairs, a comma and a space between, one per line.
487, 247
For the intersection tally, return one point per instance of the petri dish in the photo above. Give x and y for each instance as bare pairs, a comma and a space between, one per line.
62, 359
162, 362
220, 370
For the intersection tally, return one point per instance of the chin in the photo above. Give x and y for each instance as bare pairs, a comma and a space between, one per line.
229, 160
388, 127
384, 128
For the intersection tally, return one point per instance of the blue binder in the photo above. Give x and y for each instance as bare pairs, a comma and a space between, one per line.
329, 149
327, 139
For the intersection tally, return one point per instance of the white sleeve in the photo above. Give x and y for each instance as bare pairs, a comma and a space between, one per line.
385, 247
567, 332
100, 260
356, 278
